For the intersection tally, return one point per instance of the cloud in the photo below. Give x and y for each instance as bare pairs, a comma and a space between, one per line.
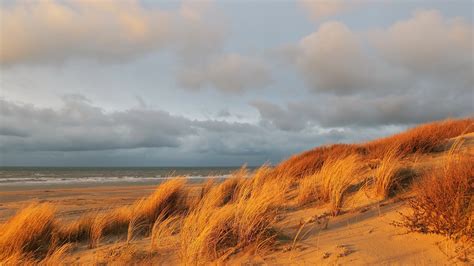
429, 44
355, 111
325, 8
108, 31
332, 59
79, 125
275, 116
424, 49
81, 133
231, 73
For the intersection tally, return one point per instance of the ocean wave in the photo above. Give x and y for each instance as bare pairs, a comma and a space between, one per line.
5, 181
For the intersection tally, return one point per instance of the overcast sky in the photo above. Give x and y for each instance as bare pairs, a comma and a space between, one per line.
222, 83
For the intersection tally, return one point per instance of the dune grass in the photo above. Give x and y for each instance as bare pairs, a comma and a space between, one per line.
335, 178
163, 231
331, 182
386, 173
214, 231
169, 198
309, 162
29, 233
444, 201
421, 139
424, 138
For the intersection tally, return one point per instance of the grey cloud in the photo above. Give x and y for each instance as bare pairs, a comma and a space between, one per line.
231, 73
224, 113
356, 111
274, 115
82, 126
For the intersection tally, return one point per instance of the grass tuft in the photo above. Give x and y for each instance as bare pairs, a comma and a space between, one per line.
444, 200
29, 233
387, 172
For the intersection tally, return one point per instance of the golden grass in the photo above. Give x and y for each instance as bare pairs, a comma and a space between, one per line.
331, 182
29, 233
163, 231
215, 231
309, 162
421, 139
167, 199
385, 175
225, 192
307, 190
112, 222
54, 258
336, 176
77, 230
424, 138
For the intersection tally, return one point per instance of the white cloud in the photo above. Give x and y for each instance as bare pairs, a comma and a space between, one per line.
230, 73
426, 52
54, 31
332, 59
428, 43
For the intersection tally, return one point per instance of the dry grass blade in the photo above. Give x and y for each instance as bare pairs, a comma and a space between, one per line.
214, 231
163, 230
386, 173
307, 190
29, 232
335, 178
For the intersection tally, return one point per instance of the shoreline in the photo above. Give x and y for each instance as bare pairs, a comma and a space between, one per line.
67, 184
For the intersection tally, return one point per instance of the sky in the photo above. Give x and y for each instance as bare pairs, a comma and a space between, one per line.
223, 83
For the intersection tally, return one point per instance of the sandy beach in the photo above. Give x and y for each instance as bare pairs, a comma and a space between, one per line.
364, 235
73, 200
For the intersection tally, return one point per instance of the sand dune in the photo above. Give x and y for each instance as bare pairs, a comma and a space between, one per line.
259, 217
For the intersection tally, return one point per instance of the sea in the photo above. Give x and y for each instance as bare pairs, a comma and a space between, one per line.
93, 176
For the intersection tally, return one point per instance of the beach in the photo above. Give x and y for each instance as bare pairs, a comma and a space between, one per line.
75, 191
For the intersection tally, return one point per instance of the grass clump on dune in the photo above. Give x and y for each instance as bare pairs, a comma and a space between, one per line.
386, 173
331, 182
444, 201
421, 139
168, 198
212, 232
29, 233
310, 162
113, 222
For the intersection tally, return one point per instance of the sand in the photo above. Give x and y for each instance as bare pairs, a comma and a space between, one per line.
361, 236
